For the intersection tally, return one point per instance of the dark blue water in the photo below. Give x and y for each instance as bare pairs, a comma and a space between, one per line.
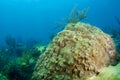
36, 18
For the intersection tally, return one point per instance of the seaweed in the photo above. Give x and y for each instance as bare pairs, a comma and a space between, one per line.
74, 17
19, 67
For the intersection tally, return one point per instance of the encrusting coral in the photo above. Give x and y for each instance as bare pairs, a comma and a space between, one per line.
77, 52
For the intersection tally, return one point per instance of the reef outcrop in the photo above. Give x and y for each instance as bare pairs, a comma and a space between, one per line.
77, 52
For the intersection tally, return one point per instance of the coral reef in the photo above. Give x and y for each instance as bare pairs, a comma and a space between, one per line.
77, 52
108, 73
4, 58
19, 68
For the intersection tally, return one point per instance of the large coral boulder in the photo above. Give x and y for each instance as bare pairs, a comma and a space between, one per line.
77, 52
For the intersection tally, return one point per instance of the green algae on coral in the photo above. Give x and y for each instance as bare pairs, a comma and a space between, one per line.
108, 73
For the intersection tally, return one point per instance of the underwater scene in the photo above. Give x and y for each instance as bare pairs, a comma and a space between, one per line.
59, 40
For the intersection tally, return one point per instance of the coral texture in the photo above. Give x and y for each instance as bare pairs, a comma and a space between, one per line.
77, 52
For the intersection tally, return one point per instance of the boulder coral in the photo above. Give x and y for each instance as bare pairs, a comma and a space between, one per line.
77, 52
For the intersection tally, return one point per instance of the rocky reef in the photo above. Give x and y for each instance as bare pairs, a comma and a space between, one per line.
76, 53
20, 67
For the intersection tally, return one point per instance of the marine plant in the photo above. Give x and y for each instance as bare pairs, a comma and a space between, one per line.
74, 17
10, 41
108, 73
19, 67
2, 77
15, 48
4, 58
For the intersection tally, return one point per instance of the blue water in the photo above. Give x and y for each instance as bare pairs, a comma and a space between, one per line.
36, 18
25, 25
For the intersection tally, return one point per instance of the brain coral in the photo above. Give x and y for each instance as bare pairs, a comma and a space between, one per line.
77, 52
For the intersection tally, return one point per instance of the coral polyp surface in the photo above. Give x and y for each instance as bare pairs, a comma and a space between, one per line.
77, 52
